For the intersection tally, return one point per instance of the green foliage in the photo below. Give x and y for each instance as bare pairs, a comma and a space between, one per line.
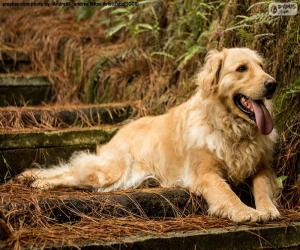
113, 30
161, 53
187, 32
85, 12
292, 91
128, 20
93, 80
185, 35
280, 180
190, 53
287, 109
259, 17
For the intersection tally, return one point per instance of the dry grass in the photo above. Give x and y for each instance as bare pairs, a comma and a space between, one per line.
28, 223
289, 160
59, 47
85, 66
67, 116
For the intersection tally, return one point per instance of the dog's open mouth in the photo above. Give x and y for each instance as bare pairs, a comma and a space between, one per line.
256, 111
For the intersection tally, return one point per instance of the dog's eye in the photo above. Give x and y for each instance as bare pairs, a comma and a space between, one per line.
242, 68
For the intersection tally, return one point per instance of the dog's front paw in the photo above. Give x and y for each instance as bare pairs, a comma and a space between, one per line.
238, 214
246, 214
270, 213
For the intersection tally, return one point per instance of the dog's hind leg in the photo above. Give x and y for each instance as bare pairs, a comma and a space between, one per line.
83, 170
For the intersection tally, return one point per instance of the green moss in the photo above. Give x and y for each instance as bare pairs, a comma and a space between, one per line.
93, 79
56, 138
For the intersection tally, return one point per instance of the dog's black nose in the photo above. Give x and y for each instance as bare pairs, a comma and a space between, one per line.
270, 86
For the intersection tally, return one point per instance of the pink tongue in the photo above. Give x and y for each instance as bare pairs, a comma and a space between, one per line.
263, 118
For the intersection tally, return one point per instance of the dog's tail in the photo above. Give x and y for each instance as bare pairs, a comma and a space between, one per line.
83, 169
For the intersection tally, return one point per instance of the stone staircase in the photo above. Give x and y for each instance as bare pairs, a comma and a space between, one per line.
46, 135
34, 131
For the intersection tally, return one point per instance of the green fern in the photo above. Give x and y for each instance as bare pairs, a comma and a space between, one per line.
126, 19
186, 34
189, 54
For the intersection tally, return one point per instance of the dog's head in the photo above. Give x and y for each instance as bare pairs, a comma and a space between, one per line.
237, 78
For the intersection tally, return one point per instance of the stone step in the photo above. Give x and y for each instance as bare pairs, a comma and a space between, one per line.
56, 117
155, 203
269, 236
151, 218
22, 149
127, 220
14, 61
19, 90
64, 205
276, 236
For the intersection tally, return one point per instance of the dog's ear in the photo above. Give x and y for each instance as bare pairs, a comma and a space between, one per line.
209, 75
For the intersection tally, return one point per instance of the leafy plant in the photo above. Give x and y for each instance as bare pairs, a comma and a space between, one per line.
247, 22
85, 12
186, 36
280, 180
126, 19
190, 53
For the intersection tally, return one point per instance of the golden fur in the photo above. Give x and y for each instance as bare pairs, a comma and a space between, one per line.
199, 145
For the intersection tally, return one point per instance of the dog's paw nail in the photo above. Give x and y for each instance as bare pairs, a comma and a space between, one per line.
270, 214
246, 215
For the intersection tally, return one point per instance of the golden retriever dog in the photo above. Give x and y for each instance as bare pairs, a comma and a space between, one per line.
223, 134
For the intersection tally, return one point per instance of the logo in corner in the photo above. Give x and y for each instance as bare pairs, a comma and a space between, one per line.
283, 9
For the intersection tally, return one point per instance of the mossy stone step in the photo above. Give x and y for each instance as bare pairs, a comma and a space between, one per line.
14, 61
20, 150
276, 236
65, 206
20, 90
65, 116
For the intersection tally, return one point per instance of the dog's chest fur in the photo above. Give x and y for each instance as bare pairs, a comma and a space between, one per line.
236, 144
241, 157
